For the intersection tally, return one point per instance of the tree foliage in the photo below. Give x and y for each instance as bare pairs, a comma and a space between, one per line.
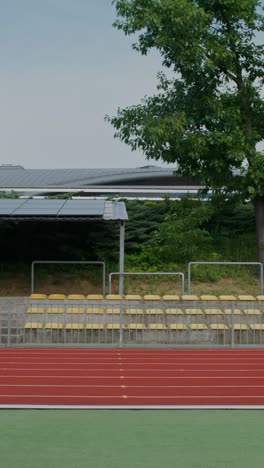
209, 117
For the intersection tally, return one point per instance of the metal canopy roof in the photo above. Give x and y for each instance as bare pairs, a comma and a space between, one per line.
62, 209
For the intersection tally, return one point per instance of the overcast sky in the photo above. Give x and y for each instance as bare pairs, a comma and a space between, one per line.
62, 68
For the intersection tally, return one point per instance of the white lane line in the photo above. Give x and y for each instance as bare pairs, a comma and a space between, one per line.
133, 407
138, 397
126, 386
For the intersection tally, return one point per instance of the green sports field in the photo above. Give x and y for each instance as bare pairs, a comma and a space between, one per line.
131, 439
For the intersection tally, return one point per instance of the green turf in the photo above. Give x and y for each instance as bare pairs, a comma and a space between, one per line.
131, 439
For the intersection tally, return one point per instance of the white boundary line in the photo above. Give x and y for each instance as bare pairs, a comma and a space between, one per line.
134, 407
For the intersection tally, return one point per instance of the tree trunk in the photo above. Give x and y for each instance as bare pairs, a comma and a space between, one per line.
259, 211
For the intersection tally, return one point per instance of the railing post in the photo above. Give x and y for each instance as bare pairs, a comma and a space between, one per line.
233, 326
9, 324
121, 325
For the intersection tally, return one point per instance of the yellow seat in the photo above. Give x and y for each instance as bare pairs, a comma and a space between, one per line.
260, 298
174, 311
151, 297
113, 297
35, 310
157, 326
227, 297
133, 297
75, 310
252, 311
94, 326
213, 311
38, 296
136, 326
76, 297
244, 297
113, 326
257, 326
134, 311
33, 326
74, 326
95, 310
193, 311
178, 326
236, 312
55, 310
240, 326
54, 326
198, 326
113, 311
57, 297
208, 297
154, 311
95, 297
190, 297
171, 297
219, 326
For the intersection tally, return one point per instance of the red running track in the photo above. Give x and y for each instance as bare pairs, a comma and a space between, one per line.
131, 378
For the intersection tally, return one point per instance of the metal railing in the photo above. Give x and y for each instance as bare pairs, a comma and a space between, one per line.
126, 323
146, 273
228, 264
66, 262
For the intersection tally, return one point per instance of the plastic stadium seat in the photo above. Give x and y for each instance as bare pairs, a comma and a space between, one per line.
54, 326
240, 326
190, 297
178, 326
134, 311
55, 310
35, 310
95, 310
194, 311
151, 297
113, 311
38, 296
94, 326
236, 312
260, 298
136, 326
76, 297
171, 297
95, 297
174, 311
133, 297
246, 298
57, 297
75, 310
209, 297
157, 326
198, 326
113, 297
219, 326
252, 312
113, 326
213, 311
33, 326
154, 311
227, 297
74, 326
257, 326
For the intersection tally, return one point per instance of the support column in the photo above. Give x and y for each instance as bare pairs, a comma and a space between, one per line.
121, 257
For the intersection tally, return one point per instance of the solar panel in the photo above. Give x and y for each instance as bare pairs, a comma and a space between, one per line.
56, 208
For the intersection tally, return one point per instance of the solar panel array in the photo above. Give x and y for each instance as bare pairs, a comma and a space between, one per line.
62, 208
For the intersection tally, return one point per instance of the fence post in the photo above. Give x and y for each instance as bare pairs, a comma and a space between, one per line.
233, 326
9, 324
121, 325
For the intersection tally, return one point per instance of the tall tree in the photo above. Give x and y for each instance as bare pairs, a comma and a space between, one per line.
209, 117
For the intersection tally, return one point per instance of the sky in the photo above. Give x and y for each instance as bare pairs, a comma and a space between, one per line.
63, 67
